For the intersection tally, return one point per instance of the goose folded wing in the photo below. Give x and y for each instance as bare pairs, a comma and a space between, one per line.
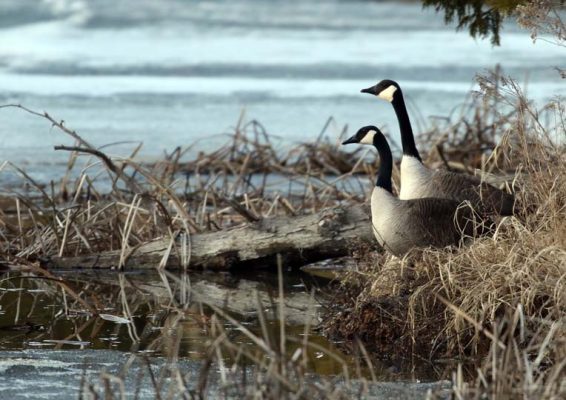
484, 197
440, 222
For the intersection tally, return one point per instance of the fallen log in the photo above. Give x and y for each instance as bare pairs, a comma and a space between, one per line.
299, 239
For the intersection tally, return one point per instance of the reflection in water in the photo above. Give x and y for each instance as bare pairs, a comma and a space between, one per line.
163, 315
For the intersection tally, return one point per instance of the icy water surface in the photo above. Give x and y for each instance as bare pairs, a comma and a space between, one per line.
138, 316
172, 72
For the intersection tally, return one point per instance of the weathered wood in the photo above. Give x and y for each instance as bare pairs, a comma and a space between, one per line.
300, 240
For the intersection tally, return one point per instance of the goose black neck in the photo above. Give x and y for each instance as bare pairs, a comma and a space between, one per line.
385, 163
407, 137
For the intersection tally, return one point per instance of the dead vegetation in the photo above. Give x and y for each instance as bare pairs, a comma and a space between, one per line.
105, 204
500, 299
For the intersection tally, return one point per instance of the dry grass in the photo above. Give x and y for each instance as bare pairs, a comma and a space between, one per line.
500, 299
107, 203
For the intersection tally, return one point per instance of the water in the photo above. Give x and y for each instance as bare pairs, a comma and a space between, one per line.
173, 72
35, 313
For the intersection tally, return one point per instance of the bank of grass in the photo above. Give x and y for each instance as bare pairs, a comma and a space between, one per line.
500, 300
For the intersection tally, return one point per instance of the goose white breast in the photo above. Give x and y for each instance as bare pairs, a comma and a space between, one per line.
383, 217
415, 177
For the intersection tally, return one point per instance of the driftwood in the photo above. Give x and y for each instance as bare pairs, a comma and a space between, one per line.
300, 240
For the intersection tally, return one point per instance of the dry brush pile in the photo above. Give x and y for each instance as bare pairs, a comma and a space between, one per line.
104, 203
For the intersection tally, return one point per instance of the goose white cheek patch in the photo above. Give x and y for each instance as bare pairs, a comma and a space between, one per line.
368, 138
387, 94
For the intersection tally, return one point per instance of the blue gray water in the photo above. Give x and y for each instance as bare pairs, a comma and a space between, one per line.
172, 72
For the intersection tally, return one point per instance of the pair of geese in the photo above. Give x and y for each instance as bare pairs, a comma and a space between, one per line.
435, 208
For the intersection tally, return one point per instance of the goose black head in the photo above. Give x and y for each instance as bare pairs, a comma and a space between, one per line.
386, 90
364, 135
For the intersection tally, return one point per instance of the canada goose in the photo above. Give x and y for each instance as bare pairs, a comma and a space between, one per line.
400, 225
418, 181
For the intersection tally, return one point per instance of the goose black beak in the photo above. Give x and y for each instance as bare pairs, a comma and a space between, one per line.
351, 140
370, 90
